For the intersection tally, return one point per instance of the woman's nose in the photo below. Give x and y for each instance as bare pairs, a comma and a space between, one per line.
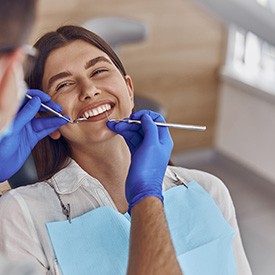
88, 91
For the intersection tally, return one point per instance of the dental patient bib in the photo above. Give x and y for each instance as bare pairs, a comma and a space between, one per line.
98, 241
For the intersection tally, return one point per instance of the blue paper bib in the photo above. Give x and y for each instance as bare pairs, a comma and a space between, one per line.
98, 241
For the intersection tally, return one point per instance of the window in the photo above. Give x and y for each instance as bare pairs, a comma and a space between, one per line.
268, 4
251, 41
251, 59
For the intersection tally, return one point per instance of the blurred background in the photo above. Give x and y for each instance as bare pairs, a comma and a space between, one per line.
209, 63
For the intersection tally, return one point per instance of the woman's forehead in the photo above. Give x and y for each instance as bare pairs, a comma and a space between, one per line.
73, 56
76, 49
75, 53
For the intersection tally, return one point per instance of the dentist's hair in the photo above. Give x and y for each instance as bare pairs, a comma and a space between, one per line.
50, 156
16, 20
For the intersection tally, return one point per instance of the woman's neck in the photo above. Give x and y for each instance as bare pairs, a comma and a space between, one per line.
109, 163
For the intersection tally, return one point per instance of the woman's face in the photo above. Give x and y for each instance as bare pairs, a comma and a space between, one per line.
86, 83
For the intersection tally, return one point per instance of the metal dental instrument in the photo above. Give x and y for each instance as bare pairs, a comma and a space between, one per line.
172, 125
58, 114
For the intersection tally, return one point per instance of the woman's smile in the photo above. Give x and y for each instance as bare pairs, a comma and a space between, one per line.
97, 111
87, 85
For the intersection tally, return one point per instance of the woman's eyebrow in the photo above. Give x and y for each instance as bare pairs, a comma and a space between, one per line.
93, 61
89, 64
56, 77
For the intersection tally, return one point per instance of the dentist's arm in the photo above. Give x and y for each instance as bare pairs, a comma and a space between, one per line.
27, 131
151, 247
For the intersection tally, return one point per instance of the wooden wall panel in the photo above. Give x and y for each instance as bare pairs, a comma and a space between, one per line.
177, 65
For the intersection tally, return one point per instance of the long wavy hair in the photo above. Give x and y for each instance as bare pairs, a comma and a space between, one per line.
50, 156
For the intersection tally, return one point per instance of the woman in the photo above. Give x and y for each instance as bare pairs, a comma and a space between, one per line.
85, 166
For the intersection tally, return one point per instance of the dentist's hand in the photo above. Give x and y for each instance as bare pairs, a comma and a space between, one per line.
27, 131
150, 148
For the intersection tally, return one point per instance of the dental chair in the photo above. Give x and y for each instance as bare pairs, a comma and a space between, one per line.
26, 175
116, 31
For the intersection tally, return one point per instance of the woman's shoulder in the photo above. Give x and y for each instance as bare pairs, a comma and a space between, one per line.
203, 178
213, 185
42, 189
23, 193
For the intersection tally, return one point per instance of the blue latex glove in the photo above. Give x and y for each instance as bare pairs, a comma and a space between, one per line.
27, 131
150, 148
44, 98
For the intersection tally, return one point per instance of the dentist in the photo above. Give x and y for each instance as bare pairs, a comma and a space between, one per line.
20, 130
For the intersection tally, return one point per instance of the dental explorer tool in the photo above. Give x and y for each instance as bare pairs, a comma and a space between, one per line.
172, 125
58, 114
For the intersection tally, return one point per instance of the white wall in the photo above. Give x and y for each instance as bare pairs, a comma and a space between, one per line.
246, 126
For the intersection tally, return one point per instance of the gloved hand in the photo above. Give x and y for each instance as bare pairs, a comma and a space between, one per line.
150, 148
27, 131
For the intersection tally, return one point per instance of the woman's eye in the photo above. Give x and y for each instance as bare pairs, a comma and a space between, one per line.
99, 71
63, 85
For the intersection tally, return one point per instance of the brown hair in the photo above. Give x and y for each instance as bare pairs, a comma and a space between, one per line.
17, 18
50, 156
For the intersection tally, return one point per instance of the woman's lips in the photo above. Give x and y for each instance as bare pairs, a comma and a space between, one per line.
100, 116
98, 113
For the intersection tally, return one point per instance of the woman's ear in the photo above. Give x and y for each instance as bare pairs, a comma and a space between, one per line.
55, 135
130, 86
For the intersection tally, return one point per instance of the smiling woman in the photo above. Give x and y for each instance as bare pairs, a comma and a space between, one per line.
75, 79
88, 165
85, 79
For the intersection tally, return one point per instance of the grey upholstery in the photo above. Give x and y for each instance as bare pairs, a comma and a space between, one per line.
26, 175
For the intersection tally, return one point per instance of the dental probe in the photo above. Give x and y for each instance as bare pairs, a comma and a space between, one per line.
56, 113
172, 125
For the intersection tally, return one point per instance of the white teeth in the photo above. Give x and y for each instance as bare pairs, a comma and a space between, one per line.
101, 109
96, 111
